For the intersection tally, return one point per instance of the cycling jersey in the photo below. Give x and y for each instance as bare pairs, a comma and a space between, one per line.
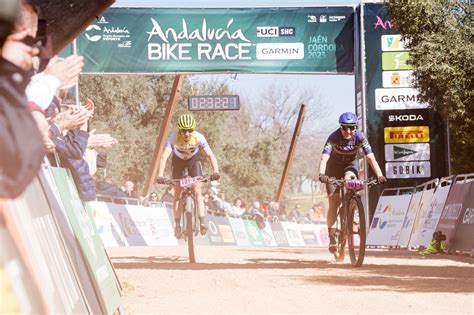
186, 150
344, 151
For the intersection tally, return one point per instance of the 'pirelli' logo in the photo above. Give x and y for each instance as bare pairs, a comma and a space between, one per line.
407, 134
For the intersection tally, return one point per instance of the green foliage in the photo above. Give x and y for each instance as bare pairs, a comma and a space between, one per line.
439, 36
251, 154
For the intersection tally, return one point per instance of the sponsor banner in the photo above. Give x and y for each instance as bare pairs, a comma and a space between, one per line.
396, 61
308, 233
410, 134
89, 241
268, 235
314, 39
410, 216
225, 230
453, 211
398, 98
240, 232
82, 271
254, 233
464, 239
420, 216
322, 234
109, 230
407, 169
213, 231
43, 241
198, 239
293, 234
279, 234
393, 42
430, 217
388, 220
19, 294
397, 79
142, 226
407, 152
412, 117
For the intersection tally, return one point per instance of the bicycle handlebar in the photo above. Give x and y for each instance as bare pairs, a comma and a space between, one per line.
202, 179
354, 184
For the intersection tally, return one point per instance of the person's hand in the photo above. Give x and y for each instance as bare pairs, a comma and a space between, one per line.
90, 106
72, 118
18, 53
66, 71
102, 140
323, 178
161, 180
215, 176
49, 145
381, 179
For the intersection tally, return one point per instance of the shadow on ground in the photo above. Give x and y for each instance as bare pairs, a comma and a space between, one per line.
403, 275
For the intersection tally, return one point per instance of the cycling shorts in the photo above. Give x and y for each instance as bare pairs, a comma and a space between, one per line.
179, 167
339, 171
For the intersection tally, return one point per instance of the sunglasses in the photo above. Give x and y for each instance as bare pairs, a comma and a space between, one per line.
349, 127
154, 196
187, 130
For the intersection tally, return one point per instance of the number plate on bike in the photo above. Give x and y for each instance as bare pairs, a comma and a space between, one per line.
187, 181
354, 184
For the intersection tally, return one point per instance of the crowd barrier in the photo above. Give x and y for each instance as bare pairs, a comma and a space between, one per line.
52, 258
136, 225
408, 216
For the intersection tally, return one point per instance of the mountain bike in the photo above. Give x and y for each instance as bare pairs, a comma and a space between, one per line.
189, 217
351, 227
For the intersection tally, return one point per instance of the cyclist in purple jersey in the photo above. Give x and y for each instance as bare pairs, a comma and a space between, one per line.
339, 159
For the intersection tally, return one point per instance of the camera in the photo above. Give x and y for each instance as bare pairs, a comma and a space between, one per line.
439, 236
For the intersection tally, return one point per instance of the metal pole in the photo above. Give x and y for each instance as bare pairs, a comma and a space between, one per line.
160, 141
291, 151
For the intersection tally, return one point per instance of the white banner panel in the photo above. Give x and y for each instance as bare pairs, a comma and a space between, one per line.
109, 231
388, 220
398, 98
430, 218
423, 208
293, 234
268, 235
407, 226
408, 169
407, 152
240, 232
397, 79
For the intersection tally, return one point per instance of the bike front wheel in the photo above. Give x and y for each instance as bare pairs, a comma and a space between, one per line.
189, 204
340, 236
356, 232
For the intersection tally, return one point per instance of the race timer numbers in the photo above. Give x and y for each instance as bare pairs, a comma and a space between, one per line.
213, 102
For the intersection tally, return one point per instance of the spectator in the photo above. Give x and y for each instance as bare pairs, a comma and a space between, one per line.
237, 209
168, 195
128, 189
295, 214
107, 188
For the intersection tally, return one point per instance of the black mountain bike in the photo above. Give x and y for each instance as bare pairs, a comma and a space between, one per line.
351, 227
189, 217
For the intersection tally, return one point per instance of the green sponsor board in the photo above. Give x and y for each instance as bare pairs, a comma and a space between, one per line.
145, 40
398, 60
83, 226
254, 234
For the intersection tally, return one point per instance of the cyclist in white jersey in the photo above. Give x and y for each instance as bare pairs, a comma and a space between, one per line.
185, 146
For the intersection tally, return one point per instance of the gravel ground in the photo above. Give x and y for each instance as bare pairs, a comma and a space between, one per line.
232, 279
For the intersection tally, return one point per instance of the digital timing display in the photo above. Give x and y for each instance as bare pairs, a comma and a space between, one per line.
214, 102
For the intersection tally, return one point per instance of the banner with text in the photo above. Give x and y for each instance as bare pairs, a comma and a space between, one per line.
144, 40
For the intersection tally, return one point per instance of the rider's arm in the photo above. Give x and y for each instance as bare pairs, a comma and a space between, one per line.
212, 158
373, 163
322, 164
164, 157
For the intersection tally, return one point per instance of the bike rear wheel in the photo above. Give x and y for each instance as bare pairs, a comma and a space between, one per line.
189, 228
340, 236
357, 232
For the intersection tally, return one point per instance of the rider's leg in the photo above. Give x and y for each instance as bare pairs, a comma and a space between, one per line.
177, 211
334, 202
200, 207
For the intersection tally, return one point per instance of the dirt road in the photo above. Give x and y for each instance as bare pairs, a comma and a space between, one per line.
291, 280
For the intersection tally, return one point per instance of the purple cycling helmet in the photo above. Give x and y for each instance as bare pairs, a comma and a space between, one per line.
348, 119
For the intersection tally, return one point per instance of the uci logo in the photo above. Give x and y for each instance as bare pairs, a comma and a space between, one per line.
93, 38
